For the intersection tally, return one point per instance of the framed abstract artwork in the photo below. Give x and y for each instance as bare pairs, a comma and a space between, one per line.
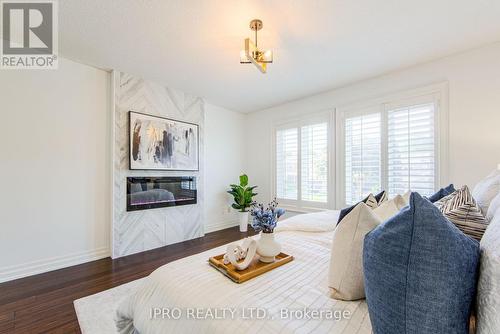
158, 143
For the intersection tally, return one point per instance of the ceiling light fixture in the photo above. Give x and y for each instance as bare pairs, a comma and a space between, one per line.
252, 54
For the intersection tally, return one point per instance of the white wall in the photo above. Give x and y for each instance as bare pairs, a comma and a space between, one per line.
474, 112
55, 160
225, 160
54, 166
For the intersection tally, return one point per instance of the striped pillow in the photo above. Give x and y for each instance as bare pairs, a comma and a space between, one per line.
461, 209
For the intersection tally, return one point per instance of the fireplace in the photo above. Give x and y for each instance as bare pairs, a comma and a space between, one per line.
145, 193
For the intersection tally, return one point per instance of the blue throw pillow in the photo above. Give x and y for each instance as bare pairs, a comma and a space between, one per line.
380, 196
420, 273
442, 193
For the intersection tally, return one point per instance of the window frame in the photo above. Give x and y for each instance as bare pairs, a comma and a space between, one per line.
437, 93
300, 205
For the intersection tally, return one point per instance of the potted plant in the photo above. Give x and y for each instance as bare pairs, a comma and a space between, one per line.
264, 221
243, 199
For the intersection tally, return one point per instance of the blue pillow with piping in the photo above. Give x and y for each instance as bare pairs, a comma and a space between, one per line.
443, 192
420, 273
381, 196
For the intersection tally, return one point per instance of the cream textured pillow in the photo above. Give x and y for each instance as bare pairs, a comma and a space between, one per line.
486, 190
346, 272
488, 288
389, 208
493, 208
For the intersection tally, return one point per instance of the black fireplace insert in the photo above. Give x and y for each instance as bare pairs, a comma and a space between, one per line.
145, 193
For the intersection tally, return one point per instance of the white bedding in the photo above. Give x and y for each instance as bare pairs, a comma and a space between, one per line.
190, 285
323, 221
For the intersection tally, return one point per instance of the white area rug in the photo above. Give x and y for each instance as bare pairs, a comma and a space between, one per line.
96, 313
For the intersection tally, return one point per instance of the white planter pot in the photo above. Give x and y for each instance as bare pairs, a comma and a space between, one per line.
243, 218
267, 247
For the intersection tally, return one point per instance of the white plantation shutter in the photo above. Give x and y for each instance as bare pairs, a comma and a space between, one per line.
314, 162
411, 152
391, 146
362, 156
286, 163
302, 171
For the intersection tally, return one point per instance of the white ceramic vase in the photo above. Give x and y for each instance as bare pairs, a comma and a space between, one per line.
267, 247
243, 217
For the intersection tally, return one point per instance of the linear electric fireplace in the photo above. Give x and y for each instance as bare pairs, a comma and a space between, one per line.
157, 192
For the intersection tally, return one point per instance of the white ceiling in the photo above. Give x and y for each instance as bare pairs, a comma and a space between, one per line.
193, 45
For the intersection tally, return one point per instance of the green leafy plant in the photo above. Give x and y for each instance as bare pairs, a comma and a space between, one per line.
243, 194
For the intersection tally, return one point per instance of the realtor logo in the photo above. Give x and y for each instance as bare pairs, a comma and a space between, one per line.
29, 35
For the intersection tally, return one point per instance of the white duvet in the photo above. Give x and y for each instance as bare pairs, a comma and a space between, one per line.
189, 296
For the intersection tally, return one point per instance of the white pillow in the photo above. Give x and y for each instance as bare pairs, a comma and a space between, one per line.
389, 208
488, 289
486, 190
346, 261
323, 221
493, 208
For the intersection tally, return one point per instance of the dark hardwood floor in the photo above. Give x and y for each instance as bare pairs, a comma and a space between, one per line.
44, 303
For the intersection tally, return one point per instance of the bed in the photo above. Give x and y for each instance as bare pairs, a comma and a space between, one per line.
188, 296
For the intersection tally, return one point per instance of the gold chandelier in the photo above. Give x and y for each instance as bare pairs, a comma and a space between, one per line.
252, 54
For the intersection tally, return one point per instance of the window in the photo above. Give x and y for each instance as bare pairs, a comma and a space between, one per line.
286, 163
314, 162
389, 145
411, 152
362, 156
301, 164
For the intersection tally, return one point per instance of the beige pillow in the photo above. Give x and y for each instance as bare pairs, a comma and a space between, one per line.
346, 271
346, 260
389, 208
406, 196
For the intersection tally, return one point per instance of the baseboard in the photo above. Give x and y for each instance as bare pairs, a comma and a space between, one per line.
59, 262
220, 226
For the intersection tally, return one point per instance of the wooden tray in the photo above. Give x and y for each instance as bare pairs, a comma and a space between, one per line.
255, 268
